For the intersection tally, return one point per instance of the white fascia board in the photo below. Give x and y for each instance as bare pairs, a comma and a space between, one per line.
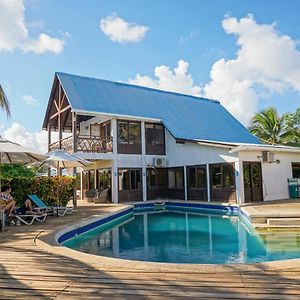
97, 113
264, 148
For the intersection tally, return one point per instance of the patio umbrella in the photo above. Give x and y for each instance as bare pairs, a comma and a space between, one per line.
62, 159
13, 153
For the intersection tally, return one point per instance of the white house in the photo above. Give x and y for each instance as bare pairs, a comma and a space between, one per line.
147, 144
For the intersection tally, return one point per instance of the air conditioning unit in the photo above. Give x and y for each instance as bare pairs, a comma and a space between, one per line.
268, 157
159, 162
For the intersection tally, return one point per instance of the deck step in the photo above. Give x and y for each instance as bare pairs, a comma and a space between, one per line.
283, 221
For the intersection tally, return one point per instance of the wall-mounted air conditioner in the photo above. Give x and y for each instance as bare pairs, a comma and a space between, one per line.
159, 162
268, 157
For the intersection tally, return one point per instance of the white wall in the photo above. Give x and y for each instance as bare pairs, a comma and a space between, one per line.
275, 175
193, 154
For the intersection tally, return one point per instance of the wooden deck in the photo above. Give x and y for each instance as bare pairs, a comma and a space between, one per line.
29, 272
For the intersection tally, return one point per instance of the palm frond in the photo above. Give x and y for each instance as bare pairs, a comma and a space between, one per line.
4, 104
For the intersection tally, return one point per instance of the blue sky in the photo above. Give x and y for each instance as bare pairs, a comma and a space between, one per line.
251, 47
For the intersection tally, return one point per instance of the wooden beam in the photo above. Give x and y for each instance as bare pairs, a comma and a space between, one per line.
49, 135
56, 105
60, 111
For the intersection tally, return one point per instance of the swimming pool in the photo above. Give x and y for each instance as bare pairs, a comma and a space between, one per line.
176, 236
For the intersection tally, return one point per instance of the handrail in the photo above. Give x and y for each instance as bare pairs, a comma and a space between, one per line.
85, 143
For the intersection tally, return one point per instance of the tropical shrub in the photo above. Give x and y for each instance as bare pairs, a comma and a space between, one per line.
53, 190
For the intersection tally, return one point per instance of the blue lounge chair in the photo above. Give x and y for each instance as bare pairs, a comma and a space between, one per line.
60, 210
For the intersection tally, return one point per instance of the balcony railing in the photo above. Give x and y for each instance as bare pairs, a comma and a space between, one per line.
85, 144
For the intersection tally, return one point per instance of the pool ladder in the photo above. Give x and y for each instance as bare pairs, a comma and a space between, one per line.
159, 205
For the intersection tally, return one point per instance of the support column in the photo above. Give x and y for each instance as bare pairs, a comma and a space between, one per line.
185, 183
208, 182
115, 175
81, 185
74, 131
59, 119
238, 184
144, 166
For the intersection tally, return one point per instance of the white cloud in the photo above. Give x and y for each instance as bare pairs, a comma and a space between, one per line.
36, 141
14, 32
30, 100
120, 31
176, 80
266, 61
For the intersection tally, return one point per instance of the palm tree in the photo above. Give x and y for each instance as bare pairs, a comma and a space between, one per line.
271, 128
4, 104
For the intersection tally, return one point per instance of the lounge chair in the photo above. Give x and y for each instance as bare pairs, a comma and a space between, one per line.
28, 219
60, 210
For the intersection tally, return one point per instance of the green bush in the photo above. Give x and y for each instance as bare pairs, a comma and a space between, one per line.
52, 190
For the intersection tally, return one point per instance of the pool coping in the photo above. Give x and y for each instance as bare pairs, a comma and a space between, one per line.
49, 242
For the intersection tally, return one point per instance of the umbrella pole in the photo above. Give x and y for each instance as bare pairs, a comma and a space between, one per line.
57, 195
0, 170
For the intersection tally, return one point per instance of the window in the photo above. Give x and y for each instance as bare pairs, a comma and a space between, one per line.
129, 179
123, 132
95, 130
216, 176
228, 175
197, 177
129, 132
134, 133
155, 139
103, 179
222, 175
175, 178
296, 170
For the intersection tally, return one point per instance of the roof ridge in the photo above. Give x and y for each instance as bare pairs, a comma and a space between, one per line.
140, 87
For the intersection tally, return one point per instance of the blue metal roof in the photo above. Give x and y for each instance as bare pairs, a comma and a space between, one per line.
185, 117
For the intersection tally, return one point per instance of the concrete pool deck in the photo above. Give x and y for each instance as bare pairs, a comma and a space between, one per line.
273, 214
33, 266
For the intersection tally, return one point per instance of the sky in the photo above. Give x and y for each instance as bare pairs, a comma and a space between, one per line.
245, 54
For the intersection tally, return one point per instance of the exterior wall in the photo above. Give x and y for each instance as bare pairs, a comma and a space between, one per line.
195, 154
274, 175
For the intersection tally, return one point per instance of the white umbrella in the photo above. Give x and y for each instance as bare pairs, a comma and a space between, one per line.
62, 159
13, 153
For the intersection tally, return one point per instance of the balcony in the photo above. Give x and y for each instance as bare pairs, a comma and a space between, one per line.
85, 144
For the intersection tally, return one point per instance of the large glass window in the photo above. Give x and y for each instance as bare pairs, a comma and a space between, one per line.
134, 133
103, 179
123, 132
129, 179
222, 175
155, 138
175, 178
129, 132
197, 177
157, 177
296, 170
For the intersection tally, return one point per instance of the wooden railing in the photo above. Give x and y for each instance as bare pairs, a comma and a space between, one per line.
85, 144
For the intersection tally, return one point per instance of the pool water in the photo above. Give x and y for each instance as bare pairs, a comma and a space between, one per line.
187, 237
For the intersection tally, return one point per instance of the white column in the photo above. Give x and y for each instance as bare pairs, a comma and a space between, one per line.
144, 169
185, 183
114, 177
238, 183
81, 185
208, 182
